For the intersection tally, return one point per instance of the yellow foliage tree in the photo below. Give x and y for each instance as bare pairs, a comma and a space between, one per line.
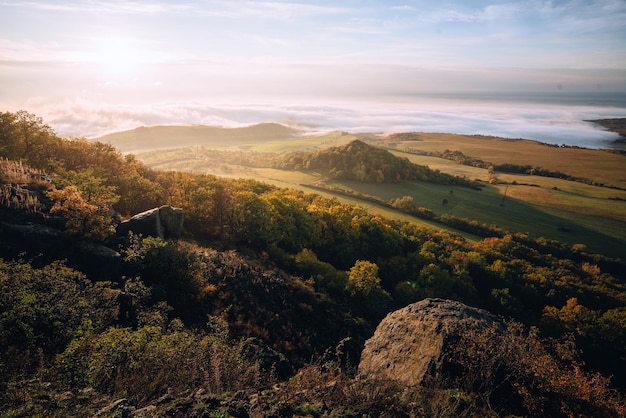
84, 218
363, 278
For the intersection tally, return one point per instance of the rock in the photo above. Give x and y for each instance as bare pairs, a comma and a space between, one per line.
410, 343
238, 406
346, 353
118, 409
47, 244
163, 222
268, 358
165, 399
146, 411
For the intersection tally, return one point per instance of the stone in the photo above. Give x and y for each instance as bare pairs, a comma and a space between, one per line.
163, 222
409, 344
269, 359
118, 409
98, 261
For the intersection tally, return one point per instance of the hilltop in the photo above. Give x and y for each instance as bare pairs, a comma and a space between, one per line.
569, 194
147, 138
362, 162
617, 125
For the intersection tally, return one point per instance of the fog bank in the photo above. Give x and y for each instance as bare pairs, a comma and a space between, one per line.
554, 121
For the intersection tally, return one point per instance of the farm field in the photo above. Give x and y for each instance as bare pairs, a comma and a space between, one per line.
568, 211
538, 217
599, 165
305, 143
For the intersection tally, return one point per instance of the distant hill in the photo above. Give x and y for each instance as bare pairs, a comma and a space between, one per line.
155, 137
617, 125
363, 162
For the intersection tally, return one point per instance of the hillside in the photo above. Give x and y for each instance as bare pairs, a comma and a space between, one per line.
596, 165
617, 125
366, 163
572, 195
263, 306
147, 138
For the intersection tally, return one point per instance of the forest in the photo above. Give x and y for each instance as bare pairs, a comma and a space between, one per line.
291, 271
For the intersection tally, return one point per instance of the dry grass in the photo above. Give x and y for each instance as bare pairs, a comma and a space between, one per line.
19, 184
597, 165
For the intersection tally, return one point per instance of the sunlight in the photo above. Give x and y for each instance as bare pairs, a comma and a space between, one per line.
117, 58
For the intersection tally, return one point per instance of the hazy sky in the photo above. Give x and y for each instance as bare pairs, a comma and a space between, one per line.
61, 59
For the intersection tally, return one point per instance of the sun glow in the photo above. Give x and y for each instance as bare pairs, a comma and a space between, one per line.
117, 58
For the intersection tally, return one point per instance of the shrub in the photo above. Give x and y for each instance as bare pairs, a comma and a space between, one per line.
514, 372
146, 363
44, 308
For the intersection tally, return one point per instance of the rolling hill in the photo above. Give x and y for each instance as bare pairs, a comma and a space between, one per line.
360, 161
156, 137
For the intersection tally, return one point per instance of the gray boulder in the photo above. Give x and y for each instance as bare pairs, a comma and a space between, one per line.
410, 343
163, 222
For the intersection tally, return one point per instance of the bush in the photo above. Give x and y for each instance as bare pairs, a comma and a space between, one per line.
42, 309
146, 363
514, 372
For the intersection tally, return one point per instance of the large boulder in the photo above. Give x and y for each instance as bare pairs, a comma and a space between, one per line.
410, 343
163, 222
45, 244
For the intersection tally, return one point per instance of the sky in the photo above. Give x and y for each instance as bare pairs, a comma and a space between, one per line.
90, 67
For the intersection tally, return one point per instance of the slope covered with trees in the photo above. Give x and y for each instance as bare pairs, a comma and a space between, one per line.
308, 276
362, 162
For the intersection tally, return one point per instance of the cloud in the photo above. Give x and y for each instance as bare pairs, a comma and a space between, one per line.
12, 50
550, 118
269, 10
404, 8
118, 7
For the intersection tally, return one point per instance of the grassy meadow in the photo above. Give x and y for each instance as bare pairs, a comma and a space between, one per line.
598, 165
568, 211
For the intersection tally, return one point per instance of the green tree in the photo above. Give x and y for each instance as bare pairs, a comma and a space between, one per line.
364, 286
251, 220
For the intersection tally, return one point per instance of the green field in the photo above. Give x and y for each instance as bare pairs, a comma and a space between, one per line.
604, 233
305, 143
568, 211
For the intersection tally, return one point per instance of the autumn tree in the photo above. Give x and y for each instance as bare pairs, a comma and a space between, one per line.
404, 203
24, 135
89, 218
370, 298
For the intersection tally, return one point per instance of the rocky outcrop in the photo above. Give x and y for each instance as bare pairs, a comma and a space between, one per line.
163, 222
44, 245
267, 358
410, 343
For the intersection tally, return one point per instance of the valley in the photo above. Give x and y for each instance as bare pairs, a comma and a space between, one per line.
589, 211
